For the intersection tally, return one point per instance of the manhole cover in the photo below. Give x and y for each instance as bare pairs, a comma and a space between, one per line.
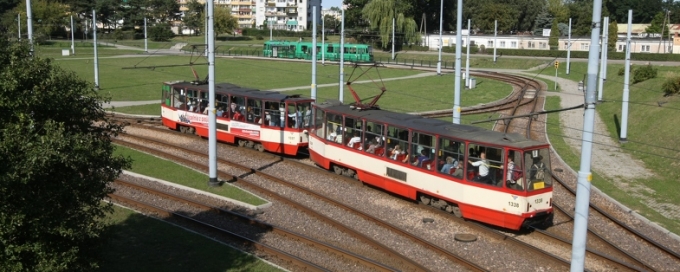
464, 237
428, 220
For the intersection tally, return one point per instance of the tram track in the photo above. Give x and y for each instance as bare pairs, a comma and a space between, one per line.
244, 181
243, 229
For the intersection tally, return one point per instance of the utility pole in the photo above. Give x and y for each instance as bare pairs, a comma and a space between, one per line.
19, 22
459, 40
96, 56
212, 120
393, 23
314, 53
626, 80
73, 45
578, 249
323, 39
146, 40
441, 21
569, 48
29, 24
342, 57
467, 58
495, 34
600, 81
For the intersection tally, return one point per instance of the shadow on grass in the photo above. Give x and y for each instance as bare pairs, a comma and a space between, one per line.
139, 243
618, 126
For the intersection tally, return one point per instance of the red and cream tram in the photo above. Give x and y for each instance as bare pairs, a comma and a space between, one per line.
263, 120
491, 177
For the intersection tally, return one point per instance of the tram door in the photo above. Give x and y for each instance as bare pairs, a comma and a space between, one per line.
275, 52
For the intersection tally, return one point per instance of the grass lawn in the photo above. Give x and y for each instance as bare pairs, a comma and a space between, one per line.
151, 109
652, 134
135, 242
152, 166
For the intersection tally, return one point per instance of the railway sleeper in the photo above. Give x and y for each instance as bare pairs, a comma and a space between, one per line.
440, 204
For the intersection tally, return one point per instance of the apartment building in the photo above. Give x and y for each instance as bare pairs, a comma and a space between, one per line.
293, 15
242, 10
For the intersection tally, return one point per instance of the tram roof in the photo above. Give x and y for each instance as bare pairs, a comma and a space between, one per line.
434, 126
233, 89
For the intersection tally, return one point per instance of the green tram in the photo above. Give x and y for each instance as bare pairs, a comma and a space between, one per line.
303, 50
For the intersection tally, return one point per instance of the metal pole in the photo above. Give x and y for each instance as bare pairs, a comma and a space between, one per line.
459, 41
556, 68
212, 120
342, 56
393, 22
578, 249
19, 21
314, 53
600, 79
606, 49
73, 45
270, 28
495, 34
205, 29
626, 80
467, 58
146, 39
569, 48
323, 40
29, 24
96, 56
441, 44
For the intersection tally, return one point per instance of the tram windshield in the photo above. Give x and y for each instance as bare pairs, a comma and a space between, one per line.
537, 169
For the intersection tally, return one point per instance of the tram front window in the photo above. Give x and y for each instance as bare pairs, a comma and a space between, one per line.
537, 173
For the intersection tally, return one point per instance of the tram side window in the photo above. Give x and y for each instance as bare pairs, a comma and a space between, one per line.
221, 105
374, 139
352, 133
514, 178
397, 144
294, 116
179, 98
203, 102
237, 108
192, 100
319, 124
306, 111
451, 157
334, 128
422, 150
254, 111
272, 114
484, 164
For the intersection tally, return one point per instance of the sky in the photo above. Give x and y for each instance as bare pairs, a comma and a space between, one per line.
331, 3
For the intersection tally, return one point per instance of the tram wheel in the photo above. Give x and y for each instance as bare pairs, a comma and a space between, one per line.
425, 199
337, 169
456, 211
242, 143
183, 129
259, 147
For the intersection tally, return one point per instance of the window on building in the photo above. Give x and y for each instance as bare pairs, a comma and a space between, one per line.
489, 44
644, 48
513, 44
585, 46
502, 44
542, 45
532, 45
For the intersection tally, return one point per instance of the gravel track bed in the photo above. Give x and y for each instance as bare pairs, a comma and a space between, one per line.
302, 250
603, 226
408, 216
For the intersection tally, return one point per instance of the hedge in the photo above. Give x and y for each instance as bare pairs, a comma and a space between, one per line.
584, 54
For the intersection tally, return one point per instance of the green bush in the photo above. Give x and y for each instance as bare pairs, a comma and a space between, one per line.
161, 33
584, 54
259, 37
622, 71
671, 86
644, 73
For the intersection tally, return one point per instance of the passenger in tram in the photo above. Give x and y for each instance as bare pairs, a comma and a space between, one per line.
372, 146
354, 140
537, 170
396, 151
451, 163
296, 118
220, 112
331, 134
421, 158
511, 167
483, 175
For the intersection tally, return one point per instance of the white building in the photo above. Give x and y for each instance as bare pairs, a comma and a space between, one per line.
291, 15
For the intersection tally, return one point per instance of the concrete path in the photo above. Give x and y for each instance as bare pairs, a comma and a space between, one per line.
306, 87
118, 104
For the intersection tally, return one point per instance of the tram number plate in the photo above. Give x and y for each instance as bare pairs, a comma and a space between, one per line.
513, 204
538, 200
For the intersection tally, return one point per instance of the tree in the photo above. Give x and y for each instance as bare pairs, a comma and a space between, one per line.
613, 36
380, 13
48, 17
193, 17
163, 10
161, 32
554, 40
657, 25
353, 14
487, 14
58, 161
330, 22
558, 10
224, 22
